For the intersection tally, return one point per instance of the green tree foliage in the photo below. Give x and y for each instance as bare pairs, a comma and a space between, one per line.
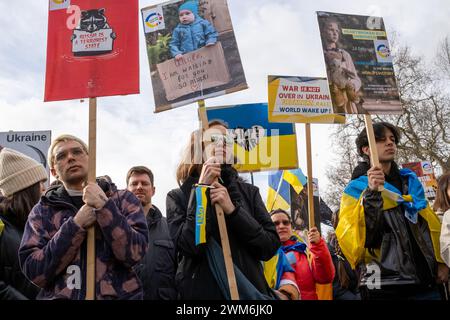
159, 52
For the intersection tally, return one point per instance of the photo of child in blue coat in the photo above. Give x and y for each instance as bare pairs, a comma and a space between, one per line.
193, 32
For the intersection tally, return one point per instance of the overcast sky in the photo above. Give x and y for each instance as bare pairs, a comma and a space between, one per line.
274, 37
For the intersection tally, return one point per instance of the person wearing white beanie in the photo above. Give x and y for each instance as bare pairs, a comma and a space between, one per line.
18, 172
21, 184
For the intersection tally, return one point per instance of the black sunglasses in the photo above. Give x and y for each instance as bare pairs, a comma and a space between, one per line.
284, 222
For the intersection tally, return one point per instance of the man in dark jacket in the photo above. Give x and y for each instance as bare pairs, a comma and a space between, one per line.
53, 250
403, 262
157, 269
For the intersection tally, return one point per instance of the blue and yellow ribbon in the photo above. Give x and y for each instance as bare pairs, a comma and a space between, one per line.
351, 230
200, 214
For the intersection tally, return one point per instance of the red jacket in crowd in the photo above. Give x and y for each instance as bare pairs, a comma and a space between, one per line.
318, 268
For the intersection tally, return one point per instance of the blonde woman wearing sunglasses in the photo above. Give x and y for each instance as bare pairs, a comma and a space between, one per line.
207, 162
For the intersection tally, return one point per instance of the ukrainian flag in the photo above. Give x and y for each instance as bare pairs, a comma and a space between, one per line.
278, 184
351, 232
295, 178
275, 267
200, 214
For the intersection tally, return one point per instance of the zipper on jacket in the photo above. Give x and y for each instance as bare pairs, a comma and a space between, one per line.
67, 205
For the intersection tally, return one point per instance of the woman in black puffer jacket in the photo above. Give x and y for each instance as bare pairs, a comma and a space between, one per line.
251, 233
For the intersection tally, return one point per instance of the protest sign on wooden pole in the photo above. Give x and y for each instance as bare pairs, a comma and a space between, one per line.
90, 270
361, 48
99, 61
302, 100
222, 225
200, 73
100, 55
310, 176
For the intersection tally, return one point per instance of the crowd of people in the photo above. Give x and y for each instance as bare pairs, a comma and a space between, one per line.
389, 242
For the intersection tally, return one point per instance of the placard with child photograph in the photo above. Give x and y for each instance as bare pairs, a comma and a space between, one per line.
192, 52
359, 64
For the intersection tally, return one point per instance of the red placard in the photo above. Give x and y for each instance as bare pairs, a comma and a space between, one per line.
92, 49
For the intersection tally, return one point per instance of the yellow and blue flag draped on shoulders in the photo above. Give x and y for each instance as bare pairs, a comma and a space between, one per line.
280, 262
287, 178
275, 267
351, 232
200, 214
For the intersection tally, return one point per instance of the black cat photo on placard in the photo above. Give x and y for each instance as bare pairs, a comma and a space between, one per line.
92, 49
93, 35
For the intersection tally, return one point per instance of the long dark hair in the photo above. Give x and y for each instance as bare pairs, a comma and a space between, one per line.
18, 206
442, 202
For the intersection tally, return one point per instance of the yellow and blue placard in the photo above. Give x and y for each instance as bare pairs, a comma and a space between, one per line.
258, 144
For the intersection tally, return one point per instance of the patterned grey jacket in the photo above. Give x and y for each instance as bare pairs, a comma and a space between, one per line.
52, 253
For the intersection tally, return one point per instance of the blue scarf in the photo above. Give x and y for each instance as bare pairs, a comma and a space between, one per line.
298, 246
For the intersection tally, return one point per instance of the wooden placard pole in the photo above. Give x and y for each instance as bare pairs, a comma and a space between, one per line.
374, 160
310, 176
221, 221
90, 271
